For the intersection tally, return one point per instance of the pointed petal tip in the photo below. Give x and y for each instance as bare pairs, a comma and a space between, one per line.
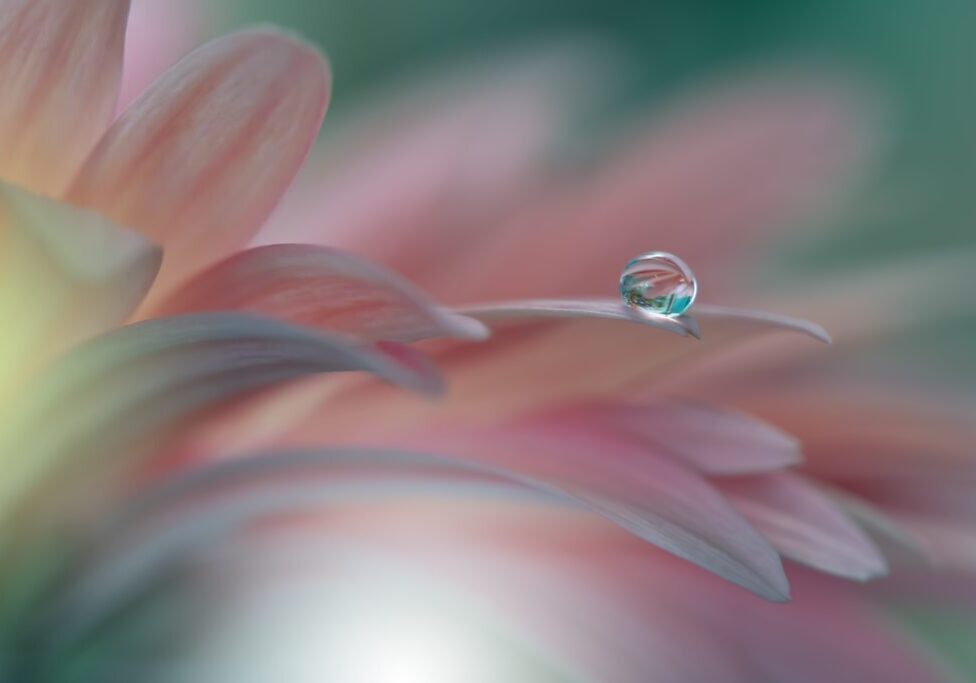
774, 320
464, 327
691, 326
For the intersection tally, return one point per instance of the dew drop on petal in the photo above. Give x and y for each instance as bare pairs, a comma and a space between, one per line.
658, 282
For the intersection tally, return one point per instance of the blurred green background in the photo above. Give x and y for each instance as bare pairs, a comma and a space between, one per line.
919, 55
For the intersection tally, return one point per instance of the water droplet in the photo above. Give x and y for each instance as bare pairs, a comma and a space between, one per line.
658, 282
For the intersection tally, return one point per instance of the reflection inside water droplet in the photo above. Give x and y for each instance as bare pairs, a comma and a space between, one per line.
658, 282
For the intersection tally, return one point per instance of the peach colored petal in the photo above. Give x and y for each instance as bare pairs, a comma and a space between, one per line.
324, 288
65, 274
805, 525
200, 160
60, 64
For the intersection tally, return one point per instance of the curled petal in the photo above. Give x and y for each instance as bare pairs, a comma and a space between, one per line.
323, 288
129, 385
805, 525
185, 514
199, 161
652, 496
60, 65
549, 351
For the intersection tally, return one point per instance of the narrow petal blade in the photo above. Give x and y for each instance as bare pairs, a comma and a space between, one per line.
199, 161
323, 288
715, 441
805, 525
60, 66
186, 514
651, 496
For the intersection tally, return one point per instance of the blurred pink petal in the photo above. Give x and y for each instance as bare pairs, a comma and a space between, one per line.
826, 634
557, 352
714, 441
200, 160
421, 174
805, 525
739, 161
60, 65
324, 288
946, 543
560, 357
130, 384
653, 497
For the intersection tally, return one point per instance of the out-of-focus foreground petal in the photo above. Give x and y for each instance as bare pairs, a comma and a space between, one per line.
323, 288
199, 161
65, 273
715, 441
805, 525
555, 350
60, 65
108, 397
752, 157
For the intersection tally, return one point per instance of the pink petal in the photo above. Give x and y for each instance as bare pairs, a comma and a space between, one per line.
199, 161
747, 158
652, 496
946, 543
128, 387
65, 274
413, 177
874, 429
553, 352
828, 633
900, 547
541, 353
60, 64
805, 525
712, 440
612, 309
324, 288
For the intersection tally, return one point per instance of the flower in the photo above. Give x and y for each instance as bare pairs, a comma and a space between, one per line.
507, 530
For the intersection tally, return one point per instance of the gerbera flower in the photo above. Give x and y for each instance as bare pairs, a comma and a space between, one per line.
507, 531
